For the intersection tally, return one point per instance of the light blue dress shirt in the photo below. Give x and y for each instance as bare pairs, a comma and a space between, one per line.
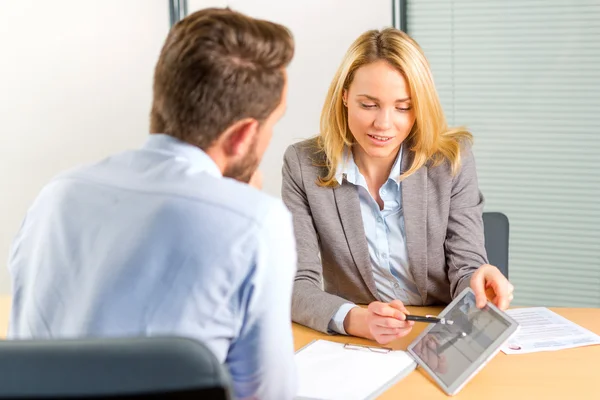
386, 238
155, 241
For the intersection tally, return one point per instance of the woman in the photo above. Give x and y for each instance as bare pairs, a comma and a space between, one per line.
386, 205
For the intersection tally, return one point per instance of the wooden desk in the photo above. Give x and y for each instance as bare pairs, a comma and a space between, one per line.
4, 315
564, 374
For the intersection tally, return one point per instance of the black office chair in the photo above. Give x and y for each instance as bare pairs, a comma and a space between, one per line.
496, 227
133, 368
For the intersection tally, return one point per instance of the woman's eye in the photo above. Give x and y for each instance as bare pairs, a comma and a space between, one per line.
403, 108
365, 105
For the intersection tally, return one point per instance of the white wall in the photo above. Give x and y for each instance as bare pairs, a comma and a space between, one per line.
75, 86
75, 82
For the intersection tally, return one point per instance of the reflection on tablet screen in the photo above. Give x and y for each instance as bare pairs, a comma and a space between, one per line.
449, 350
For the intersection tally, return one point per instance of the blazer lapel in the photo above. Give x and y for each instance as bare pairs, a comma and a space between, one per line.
348, 205
414, 205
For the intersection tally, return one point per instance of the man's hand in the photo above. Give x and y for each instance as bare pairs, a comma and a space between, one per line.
383, 322
488, 283
256, 180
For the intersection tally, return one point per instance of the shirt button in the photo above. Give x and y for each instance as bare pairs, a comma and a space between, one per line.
383, 191
396, 285
379, 219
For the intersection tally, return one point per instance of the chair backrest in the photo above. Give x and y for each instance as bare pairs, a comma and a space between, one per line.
132, 368
496, 227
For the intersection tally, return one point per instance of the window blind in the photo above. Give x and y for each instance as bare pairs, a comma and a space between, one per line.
523, 76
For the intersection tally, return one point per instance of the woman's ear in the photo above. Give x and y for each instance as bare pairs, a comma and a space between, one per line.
345, 97
239, 137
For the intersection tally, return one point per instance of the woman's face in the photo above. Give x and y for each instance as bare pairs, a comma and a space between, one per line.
380, 113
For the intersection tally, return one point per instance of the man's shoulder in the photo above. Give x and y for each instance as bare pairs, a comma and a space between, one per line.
192, 192
67, 181
238, 199
196, 194
88, 170
224, 201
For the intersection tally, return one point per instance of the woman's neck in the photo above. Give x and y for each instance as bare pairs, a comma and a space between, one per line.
375, 170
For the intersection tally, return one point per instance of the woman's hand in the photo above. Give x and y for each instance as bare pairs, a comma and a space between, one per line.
382, 322
488, 283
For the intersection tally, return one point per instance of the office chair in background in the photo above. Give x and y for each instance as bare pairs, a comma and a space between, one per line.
496, 228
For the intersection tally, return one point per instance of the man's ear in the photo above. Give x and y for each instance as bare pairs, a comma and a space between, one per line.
238, 138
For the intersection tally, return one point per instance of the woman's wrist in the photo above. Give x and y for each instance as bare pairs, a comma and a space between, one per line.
355, 323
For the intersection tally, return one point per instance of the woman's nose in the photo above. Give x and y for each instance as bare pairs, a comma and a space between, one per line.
383, 120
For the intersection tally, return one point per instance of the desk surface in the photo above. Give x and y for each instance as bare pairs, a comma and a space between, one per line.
564, 374
4, 315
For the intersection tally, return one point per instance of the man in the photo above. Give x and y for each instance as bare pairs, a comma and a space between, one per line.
160, 240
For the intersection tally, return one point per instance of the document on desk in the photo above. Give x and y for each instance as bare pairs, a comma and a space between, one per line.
544, 330
329, 371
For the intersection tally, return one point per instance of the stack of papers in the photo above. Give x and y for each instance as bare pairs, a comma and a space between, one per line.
544, 330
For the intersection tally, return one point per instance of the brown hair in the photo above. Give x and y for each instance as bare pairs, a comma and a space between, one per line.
218, 66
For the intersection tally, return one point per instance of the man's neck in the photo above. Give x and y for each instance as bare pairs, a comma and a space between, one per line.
217, 155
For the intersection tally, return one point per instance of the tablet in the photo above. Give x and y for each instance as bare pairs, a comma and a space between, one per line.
453, 354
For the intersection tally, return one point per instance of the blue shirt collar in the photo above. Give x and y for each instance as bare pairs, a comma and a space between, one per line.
198, 158
348, 169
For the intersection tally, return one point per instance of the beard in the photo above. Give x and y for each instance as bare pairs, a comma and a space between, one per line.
243, 169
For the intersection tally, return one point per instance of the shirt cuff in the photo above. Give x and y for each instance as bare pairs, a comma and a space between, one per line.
337, 322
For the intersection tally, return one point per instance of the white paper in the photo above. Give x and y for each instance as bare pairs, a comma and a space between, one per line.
544, 330
326, 370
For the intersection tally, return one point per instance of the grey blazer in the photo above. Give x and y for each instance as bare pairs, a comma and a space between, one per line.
443, 223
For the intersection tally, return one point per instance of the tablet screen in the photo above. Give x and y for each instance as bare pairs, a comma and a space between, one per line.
454, 352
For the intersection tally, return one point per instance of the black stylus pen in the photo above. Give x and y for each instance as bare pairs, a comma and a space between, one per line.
429, 318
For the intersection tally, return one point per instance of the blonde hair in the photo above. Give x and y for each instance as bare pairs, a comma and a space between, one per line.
430, 138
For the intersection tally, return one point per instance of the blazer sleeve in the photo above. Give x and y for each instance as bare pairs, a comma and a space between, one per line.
311, 305
465, 241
